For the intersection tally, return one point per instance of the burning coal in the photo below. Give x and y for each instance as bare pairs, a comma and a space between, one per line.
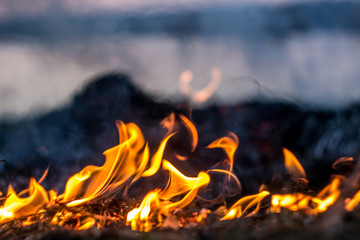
131, 160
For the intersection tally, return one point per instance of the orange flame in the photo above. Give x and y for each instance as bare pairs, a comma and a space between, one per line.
159, 201
298, 201
328, 195
122, 162
293, 202
229, 144
192, 130
353, 203
15, 207
130, 160
293, 166
244, 204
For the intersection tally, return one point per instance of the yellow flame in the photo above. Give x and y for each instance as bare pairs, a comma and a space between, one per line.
192, 130
244, 204
15, 207
86, 223
160, 201
353, 203
292, 202
157, 158
328, 195
129, 161
229, 144
122, 162
292, 165
299, 201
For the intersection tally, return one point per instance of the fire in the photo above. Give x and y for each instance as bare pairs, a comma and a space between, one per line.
353, 203
242, 206
160, 201
229, 144
126, 160
293, 166
131, 160
16, 207
192, 130
303, 202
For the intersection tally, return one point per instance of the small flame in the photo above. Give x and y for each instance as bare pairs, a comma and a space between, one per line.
229, 144
203, 95
293, 202
86, 223
328, 195
242, 206
192, 130
293, 166
15, 207
122, 162
157, 158
298, 201
353, 203
159, 201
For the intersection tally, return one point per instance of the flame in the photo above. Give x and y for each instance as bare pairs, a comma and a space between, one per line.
86, 223
130, 160
192, 130
122, 162
328, 195
293, 166
203, 95
293, 202
229, 144
15, 206
353, 203
241, 207
160, 201
301, 202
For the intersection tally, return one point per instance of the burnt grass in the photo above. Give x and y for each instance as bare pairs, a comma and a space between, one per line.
75, 135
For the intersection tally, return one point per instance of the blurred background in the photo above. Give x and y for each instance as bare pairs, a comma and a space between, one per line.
302, 51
